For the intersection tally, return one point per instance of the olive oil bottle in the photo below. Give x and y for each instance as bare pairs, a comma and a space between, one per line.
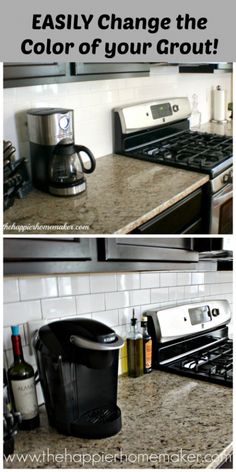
147, 347
22, 385
135, 349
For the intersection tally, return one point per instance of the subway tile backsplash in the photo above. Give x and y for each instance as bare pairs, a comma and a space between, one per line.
93, 102
109, 298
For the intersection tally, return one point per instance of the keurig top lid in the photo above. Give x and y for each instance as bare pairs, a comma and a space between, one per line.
56, 336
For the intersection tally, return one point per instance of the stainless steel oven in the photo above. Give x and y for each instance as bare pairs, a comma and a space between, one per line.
159, 132
221, 211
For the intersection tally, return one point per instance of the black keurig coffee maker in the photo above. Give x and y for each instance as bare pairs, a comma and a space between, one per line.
56, 162
78, 369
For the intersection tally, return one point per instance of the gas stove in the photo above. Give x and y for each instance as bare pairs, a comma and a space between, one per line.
192, 340
192, 150
159, 132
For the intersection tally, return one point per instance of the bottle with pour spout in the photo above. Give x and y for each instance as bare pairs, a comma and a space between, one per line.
147, 346
135, 349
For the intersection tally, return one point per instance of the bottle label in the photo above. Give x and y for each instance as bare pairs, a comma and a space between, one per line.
148, 354
25, 398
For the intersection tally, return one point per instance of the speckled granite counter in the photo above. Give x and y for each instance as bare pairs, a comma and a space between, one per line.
168, 422
122, 194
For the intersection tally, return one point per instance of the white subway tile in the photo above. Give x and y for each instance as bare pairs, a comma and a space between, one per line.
117, 300
150, 306
56, 307
184, 278
103, 283
139, 297
176, 293
159, 294
204, 290
227, 276
40, 287
110, 317
10, 290
128, 281
168, 279
220, 289
191, 291
125, 315
90, 303
197, 278
150, 280
21, 312
213, 277
73, 285
122, 330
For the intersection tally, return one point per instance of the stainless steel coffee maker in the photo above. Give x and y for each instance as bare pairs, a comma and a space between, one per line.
56, 162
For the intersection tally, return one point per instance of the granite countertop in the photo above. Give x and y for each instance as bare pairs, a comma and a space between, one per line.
169, 421
121, 195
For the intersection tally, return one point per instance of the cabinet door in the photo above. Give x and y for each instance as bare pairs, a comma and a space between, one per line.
17, 74
95, 71
147, 249
185, 217
47, 249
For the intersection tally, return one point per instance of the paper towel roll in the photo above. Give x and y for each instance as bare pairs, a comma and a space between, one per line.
219, 104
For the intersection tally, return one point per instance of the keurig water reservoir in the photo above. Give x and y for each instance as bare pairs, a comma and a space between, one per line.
78, 369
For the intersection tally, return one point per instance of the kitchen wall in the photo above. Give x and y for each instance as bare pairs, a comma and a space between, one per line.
94, 100
108, 298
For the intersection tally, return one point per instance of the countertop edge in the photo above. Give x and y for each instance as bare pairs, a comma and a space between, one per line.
222, 457
164, 206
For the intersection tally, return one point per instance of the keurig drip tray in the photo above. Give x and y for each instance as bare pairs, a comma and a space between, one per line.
98, 423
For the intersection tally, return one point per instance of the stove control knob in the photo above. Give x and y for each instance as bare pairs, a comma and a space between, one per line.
228, 178
215, 312
175, 108
225, 178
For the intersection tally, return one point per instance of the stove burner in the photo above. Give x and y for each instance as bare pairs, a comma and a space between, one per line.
189, 149
217, 363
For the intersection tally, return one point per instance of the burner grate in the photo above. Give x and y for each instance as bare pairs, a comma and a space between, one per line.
215, 364
190, 149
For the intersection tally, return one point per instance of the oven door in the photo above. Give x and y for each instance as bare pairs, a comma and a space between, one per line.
222, 211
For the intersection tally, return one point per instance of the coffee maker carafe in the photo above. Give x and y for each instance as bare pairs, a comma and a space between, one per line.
56, 162
77, 362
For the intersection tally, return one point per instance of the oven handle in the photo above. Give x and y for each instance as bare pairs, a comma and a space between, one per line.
225, 194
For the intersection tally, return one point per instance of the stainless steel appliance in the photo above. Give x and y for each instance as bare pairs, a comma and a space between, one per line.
158, 131
56, 162
221, 203
78, 369
192, 340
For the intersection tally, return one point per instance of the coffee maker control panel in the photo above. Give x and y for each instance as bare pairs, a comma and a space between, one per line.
48, 126
64, 122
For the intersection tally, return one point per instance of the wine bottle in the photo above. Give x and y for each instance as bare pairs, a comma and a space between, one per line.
22, 385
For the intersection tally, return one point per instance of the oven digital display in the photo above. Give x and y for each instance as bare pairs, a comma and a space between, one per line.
200, 314
160, 111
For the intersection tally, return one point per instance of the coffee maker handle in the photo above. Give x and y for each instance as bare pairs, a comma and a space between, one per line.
94, 346
87, 151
